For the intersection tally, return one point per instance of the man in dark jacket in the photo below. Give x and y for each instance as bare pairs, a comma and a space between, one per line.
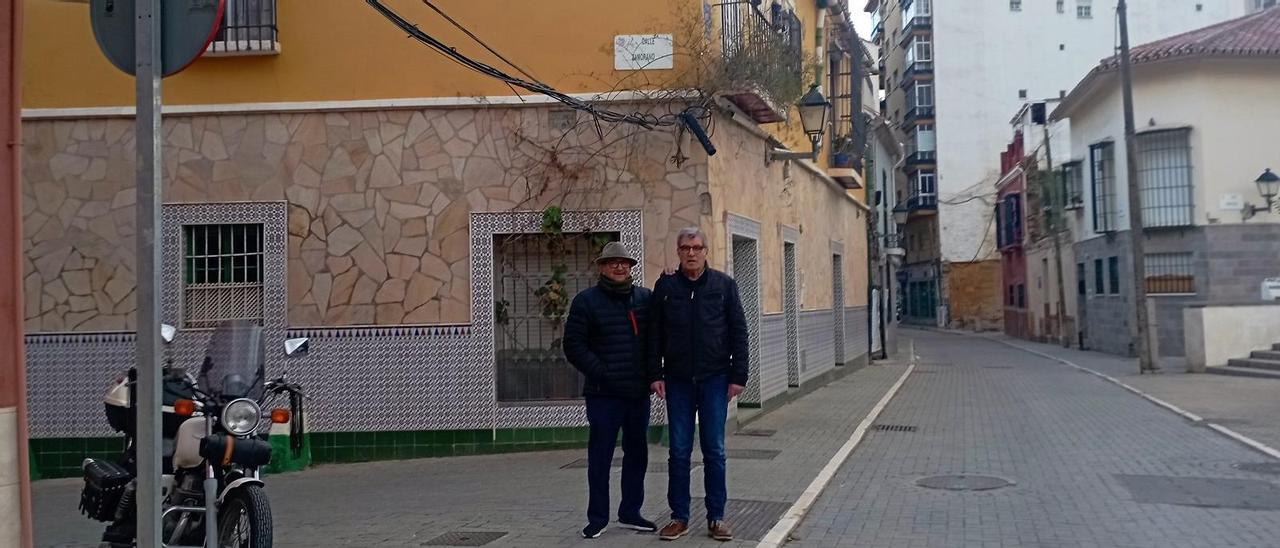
604, 338
700, 336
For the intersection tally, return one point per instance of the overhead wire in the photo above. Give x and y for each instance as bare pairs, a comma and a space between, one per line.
645, 120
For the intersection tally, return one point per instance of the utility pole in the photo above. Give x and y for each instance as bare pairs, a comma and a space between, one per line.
1136, 234
1055, 214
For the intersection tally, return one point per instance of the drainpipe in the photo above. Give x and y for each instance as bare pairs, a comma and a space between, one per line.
15, 527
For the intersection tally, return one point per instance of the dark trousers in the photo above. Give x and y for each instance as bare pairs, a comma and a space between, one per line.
709, 400
607, 415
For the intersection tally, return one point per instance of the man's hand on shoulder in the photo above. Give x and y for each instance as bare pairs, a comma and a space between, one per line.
735, 389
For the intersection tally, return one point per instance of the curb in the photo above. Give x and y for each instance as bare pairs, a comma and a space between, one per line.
781, 531
1229, 433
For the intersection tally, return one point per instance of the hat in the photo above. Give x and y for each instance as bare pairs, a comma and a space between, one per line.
615, 250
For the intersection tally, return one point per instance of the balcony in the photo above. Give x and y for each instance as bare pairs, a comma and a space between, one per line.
915, 24
916, 114
755, 47
922, 203
877, 32
916, 68
248, 28
921, 159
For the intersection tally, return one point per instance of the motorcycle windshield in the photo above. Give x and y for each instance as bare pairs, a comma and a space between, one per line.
234, 363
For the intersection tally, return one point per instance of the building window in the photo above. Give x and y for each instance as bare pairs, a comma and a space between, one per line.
1022, 295
926, 182
1098, 277
1170, 274
1259, 5
248, 28
1113, 269
222, 274
1062, 6
919, 51
1102, 158
1010, 217
1081, 283
924, 95
1022, 94
1084, 9
1072, 184
529, 319
1164, 175
1015, 5
1010, 299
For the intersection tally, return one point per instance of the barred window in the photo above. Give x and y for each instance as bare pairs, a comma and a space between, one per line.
536, 277
1102, 157
248, 28
1170, 273
222, 274
1164, 175
1073, 184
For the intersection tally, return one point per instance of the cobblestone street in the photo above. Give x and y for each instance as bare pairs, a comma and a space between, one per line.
1090, 464
1086, 462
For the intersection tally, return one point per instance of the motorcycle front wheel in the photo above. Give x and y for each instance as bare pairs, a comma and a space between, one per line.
244, 520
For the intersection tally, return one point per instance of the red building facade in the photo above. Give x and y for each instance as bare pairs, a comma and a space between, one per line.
1011, 236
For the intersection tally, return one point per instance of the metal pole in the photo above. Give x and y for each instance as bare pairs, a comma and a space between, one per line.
1136, 234
147, 139
13, 380
1056, 199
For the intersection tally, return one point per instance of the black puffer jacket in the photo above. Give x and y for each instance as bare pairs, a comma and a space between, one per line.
699, 329
603, 342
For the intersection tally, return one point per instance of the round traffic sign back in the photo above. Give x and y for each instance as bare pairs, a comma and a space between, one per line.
187, 28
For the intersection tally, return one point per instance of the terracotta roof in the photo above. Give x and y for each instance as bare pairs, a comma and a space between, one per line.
1256, 35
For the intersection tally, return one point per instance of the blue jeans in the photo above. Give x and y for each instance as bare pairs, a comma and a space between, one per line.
709, 398
607, 415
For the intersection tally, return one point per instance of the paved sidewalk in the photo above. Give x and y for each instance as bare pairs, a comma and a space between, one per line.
1091, 464
530, 497
1249, 406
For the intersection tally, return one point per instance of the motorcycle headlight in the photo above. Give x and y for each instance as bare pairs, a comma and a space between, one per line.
241, 417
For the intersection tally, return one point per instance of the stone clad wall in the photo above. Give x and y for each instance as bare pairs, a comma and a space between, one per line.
378, 201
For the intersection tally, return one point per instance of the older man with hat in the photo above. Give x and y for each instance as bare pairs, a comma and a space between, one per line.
604, 338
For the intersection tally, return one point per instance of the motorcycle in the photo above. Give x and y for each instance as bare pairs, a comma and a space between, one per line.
215, 441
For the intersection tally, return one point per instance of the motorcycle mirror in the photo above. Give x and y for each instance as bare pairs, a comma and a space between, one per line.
297, 347
167, 332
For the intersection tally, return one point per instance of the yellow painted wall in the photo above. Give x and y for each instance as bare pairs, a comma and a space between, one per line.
343, 50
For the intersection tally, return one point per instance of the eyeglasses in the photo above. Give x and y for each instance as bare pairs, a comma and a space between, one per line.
618, 263
692, 248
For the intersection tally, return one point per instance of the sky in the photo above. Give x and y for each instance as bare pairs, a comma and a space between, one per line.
861, 19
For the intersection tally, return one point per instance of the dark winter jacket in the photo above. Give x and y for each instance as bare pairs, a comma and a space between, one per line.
699, 328
604, 338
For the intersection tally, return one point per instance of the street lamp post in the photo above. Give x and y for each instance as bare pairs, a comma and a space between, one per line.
813, 118
1268, 185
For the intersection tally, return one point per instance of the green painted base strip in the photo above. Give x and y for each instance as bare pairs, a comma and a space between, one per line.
283, 458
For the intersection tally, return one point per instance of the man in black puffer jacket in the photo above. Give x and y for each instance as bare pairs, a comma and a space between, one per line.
700, 336
604, 338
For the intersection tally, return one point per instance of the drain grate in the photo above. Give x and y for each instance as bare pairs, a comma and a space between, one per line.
465, 538
963, 482
1245, 494
751, 519
894, 428
757, 432
1259, 467
752, 454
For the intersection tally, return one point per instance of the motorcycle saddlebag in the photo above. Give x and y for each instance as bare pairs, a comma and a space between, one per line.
104, 482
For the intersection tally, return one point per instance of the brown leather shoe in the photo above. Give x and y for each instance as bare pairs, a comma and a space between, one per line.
719, 530
673, 530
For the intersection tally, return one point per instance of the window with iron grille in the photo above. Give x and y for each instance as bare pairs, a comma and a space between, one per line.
1072, 185
536, 276
248, 28
1170, 273
1102, 157
1084, 9
1113, 268
222, 274
1164, 177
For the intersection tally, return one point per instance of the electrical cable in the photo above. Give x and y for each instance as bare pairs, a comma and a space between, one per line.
644, 120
